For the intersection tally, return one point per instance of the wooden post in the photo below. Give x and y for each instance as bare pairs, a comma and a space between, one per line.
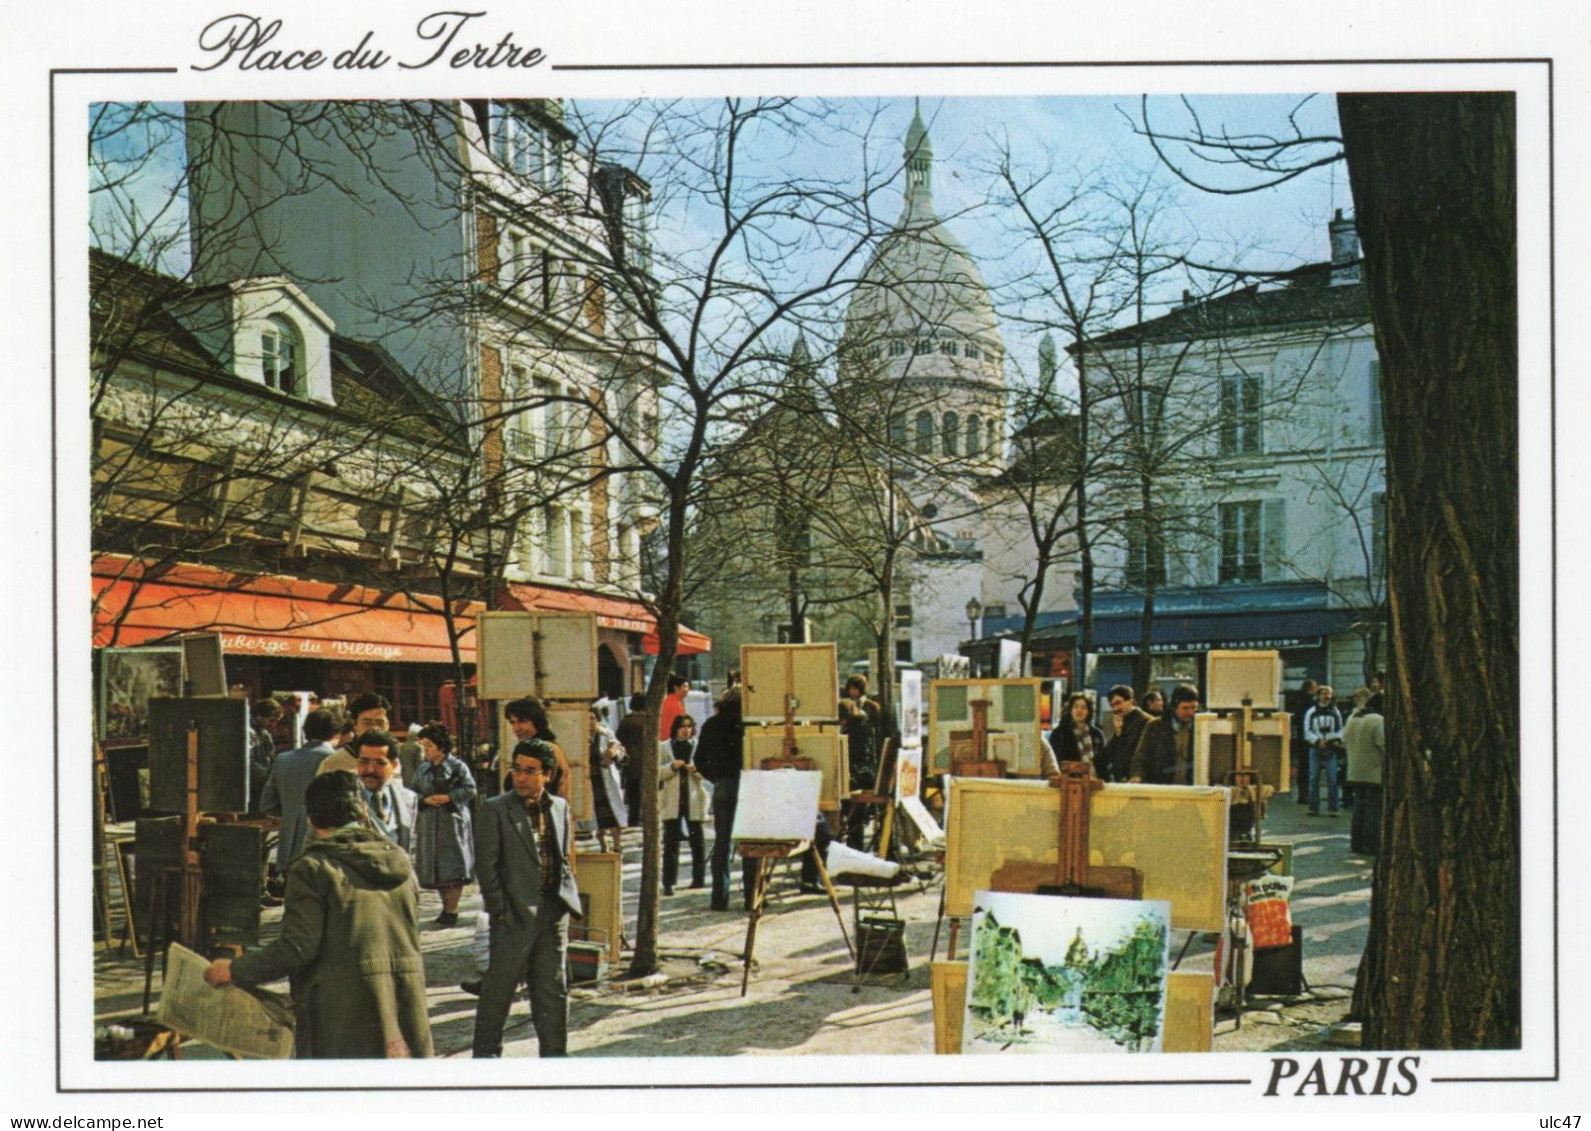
192, 875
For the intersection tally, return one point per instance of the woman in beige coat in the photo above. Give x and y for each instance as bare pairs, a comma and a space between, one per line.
1365, 737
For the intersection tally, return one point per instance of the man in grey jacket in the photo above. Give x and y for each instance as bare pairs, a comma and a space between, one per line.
523, 844
291, 774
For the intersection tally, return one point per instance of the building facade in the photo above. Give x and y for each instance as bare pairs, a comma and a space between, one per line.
1250, 485
470, 240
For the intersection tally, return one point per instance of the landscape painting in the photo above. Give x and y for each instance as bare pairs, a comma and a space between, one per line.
1062, 974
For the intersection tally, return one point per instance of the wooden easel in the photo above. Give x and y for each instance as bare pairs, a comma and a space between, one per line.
1244, 780
764, 852
1071, 874
978, 764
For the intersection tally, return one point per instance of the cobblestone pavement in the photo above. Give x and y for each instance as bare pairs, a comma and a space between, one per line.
803, 996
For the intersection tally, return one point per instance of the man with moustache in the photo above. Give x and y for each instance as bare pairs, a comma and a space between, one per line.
523, 844
1115, 762
390, 806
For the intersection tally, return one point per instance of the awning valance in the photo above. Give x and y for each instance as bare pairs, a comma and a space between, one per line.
271, 615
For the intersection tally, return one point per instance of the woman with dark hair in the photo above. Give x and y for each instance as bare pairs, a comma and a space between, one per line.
527, 718
684, 801
444, 847
1074, 737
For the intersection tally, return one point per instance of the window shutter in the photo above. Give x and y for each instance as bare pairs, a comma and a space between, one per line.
1229, 411
1273, 531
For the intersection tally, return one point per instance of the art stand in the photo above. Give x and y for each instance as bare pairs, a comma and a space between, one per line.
1244, 781
764, 852
1071, 873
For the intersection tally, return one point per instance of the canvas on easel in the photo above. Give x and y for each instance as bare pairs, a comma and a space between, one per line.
1066, 974
1175, 835
802, 679
824, 747
1013, 709
507, 662
571, 722
776, 805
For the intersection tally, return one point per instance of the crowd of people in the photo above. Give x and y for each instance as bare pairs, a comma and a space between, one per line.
1333, 754
367, 821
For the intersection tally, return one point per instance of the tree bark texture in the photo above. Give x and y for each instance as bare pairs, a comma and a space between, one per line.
1434, 186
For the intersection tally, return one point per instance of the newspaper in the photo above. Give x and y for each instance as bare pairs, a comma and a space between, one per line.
232, 1019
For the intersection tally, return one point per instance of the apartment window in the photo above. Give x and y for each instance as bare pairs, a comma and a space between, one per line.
924, 345
579, 546
948, 348
925, 433
280, 355
555, 542
1240, 414
1146, 554
974, 440
522, 422
897, 429
903, 651
897, 349
951, 434
972, 351
1253, 540
1377, 430
903, 616
511, 271
550, 412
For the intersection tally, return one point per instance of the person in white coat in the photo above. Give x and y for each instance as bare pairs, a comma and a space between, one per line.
684, 803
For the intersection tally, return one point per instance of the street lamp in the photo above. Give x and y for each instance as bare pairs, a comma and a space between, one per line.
974, 609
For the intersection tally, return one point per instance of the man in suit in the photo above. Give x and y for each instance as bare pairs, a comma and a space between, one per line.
390, 806
523, 843
290, 775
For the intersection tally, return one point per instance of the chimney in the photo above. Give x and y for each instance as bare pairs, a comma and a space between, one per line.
1345, 256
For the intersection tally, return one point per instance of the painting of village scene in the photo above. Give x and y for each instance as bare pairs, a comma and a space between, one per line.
1058, 974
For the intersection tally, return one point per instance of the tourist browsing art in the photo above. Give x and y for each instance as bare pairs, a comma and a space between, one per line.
1059, 974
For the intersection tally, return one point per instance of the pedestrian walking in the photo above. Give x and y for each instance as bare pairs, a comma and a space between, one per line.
1365, 738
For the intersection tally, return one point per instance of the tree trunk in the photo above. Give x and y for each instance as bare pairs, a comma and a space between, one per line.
1433, 181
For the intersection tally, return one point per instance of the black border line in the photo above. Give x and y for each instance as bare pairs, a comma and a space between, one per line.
1552, 384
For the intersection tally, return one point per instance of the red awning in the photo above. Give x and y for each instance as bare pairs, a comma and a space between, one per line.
612, 612
268, 616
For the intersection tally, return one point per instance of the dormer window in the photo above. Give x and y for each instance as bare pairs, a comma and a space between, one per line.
526, 147
281, 356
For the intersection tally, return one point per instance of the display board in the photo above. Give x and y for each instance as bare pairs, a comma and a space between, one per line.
223, 754
1215, 748
203, 664
599, 877
774, 674
776, 805
229, 856
826, 746
1013, 709
911, 708
505, 650
1174, 834
571, 722
1232, 676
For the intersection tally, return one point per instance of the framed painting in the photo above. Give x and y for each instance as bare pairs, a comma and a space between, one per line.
128, 679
